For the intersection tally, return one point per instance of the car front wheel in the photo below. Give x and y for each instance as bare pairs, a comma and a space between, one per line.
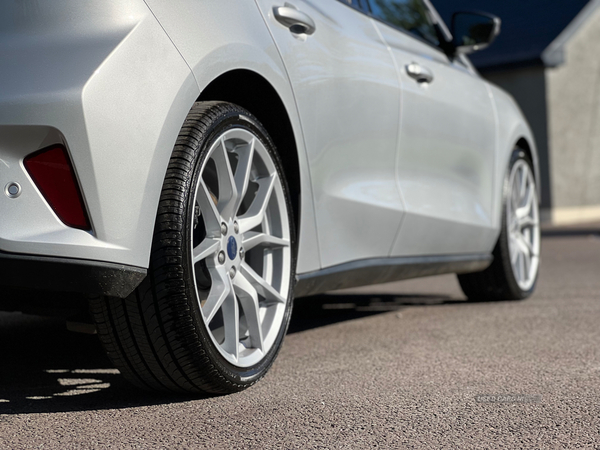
514, 271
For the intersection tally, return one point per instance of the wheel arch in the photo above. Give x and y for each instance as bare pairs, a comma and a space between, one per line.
253, 92
513, 131
524, 144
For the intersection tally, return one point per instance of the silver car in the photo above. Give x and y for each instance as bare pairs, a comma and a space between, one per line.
189, 166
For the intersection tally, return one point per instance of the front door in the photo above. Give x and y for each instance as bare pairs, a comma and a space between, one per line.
447, 141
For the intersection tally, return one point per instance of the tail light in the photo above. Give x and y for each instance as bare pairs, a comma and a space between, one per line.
53, 174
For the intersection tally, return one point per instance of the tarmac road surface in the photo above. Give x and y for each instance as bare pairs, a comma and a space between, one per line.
403, 365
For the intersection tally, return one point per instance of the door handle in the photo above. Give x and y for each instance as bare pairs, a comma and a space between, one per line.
419, 73
297, 21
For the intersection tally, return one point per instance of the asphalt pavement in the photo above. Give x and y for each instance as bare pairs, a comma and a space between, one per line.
402, 365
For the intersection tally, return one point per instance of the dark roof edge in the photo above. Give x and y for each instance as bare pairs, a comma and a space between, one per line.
554, 54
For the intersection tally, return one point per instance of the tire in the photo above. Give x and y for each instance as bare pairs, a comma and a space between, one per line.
514, 271
214, 325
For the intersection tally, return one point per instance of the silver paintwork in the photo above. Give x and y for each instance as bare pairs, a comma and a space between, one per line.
213, 40
258, 222
389, 166
103, 79
445, 175
350, 124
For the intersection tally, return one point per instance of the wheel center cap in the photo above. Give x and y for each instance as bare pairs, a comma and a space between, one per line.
231, 248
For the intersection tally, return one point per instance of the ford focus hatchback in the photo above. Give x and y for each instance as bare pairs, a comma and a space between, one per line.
188, 167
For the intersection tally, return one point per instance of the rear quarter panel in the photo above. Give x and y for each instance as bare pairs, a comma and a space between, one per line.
104, 79
217, 36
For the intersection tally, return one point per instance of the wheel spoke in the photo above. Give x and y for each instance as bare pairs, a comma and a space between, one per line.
255, 214
514, 193
242, 173
528, 246
530, 190
253, 239
263, 288
525, 210
514, 249
228, 193
526, 264
220, 291
206, 248
231, 322
521, 266
210, 214
522, 183
249, 301
523, 246
526, 222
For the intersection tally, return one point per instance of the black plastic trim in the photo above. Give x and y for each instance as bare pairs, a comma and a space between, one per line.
69, 275
382, 270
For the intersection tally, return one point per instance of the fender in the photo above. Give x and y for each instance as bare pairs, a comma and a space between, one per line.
511, 128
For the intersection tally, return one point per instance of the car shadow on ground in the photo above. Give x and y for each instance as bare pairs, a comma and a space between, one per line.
328, 309
46, 368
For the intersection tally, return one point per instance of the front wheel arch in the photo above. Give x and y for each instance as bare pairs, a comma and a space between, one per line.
500, 281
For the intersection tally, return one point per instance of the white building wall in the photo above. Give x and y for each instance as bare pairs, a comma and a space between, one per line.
573, 99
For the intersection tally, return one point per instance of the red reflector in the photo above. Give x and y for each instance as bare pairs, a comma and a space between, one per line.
53, 174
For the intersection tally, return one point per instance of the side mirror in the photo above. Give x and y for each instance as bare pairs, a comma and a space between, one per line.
473, 31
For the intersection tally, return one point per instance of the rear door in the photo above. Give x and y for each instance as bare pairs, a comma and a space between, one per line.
346, 88
447, 139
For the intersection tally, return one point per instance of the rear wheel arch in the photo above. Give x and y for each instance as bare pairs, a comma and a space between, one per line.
253, 92
224, 188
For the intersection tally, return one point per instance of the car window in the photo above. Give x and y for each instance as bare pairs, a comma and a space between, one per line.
358, 4
409, 15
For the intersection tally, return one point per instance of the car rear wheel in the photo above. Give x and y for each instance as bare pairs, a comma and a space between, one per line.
213, 311
513, 273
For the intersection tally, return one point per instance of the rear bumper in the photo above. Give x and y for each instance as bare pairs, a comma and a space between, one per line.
69, 275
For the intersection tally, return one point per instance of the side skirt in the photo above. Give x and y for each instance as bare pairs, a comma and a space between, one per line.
382, 270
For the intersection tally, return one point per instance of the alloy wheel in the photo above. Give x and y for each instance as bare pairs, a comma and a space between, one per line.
523, 225
241, 247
